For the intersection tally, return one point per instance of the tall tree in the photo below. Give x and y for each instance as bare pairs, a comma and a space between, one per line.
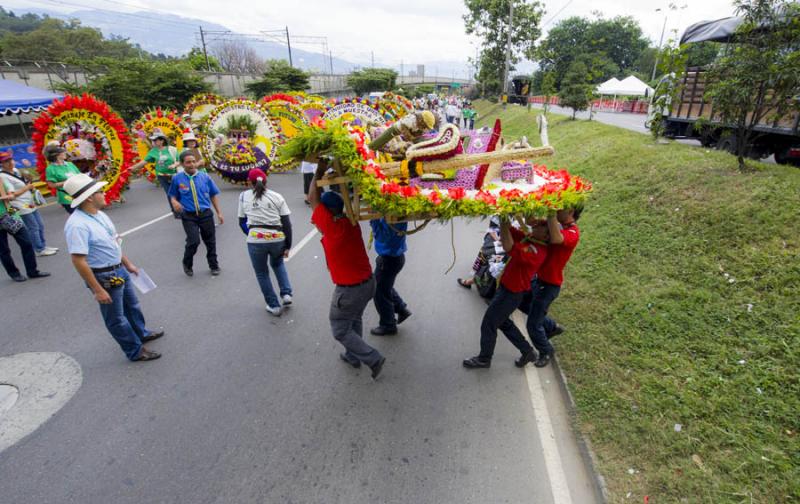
278, 77
488, 19
548, 88
757, 79
576, 92
237, 56
372, 79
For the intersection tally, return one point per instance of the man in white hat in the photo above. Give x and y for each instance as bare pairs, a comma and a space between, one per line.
94, 246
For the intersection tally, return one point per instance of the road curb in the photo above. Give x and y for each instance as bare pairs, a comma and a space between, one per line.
588, 455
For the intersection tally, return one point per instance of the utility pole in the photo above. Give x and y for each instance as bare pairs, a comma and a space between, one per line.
203, 42
401, 69
660, 40
373, 58
289, 45
508, 45
330, 57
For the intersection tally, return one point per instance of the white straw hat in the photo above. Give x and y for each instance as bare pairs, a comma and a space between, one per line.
80, 186
189, 136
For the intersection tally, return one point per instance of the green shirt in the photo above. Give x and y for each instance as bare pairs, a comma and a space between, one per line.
163, 159
60, 173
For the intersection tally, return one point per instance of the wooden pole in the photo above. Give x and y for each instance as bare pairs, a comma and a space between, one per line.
466, 160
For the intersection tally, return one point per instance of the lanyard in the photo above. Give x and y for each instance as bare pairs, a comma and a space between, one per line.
110, 231
194, 193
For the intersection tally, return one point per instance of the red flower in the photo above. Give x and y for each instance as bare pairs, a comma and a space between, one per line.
510, 194
435, 198
390, 188
318, 122
486, 197
409, 191
456, 193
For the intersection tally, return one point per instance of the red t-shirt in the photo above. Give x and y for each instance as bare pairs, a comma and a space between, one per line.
526, 259
552, 271
344, 247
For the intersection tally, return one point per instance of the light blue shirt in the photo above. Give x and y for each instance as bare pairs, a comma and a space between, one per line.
93, 236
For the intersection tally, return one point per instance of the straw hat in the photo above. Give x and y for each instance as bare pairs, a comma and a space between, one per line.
157, 133
189, 136
80, 187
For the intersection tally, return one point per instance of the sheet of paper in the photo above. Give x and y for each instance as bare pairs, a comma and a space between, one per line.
143, 282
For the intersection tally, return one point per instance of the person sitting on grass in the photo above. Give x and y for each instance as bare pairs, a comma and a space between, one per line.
527, 253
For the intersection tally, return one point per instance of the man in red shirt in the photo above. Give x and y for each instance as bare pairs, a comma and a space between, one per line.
527, 253
350, 271
564, 237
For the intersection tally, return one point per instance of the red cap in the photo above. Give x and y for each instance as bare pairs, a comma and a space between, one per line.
255, 174
6, 156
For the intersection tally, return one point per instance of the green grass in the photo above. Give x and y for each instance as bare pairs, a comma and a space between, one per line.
682, 304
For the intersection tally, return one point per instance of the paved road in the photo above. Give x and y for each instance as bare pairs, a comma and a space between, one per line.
244, 407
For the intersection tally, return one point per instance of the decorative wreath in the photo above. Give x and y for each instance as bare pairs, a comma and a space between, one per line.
397, 105
169, 122
281, 97
288, 119
357, 111
87, 118
200, 105
539, 191
231, 150
314, 109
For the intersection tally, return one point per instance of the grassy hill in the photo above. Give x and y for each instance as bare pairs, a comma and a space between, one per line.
682, 305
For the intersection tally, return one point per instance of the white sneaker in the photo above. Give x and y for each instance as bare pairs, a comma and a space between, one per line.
54, 249
274, 311
287, 299
45, 252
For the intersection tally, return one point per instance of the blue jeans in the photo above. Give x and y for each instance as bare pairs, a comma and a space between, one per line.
543, 294
260, 254
123, 317
33, 221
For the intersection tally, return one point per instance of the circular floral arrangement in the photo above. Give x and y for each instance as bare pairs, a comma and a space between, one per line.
280, 97
545, 190
200, 105
168, 122
314, 109
288, 119
86, 119
240, 136
357, 111
397, 105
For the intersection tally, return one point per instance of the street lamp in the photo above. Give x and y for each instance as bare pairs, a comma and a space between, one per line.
672, 7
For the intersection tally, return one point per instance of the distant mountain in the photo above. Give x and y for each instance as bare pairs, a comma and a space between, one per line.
175, 36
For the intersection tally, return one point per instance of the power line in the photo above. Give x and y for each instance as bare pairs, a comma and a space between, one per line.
556, 14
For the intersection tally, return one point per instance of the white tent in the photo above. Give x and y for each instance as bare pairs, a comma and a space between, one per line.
608, 87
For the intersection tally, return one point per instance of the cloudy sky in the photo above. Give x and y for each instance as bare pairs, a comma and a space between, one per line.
412, 31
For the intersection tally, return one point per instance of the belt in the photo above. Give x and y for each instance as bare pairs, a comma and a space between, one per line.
106, 269
266, 226
356, 284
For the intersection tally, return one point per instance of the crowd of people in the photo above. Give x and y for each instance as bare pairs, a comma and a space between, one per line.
520, 266
453, 109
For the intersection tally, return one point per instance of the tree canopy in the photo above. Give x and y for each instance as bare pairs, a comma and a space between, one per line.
279, 77
488, 19
372, 79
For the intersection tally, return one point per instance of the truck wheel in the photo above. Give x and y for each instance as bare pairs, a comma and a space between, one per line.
782, 157
727, 144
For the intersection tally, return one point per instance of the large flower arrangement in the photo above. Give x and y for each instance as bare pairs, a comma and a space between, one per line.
357, 110
200, 105
348, 144
65, 119
397, 105
169, 122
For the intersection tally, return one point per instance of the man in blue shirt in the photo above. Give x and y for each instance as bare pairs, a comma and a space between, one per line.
193, 193
390, 244
94, 246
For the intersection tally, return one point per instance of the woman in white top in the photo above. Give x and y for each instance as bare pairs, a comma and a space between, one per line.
20, 188
264, 218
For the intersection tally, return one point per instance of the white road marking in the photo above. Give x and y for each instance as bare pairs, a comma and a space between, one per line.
307, 238
544, 424
137, 228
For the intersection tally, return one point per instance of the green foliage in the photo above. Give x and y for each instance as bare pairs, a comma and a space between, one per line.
608, 47
279, 77
56, 40
548, 88
420, 91
682, 309
488, 19
133, 86
757, 79
372, 79
576, 92
197, 60
702, 54
671, 64
10, 22
240, 123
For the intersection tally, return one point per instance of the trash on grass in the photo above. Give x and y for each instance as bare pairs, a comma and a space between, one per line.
678, 427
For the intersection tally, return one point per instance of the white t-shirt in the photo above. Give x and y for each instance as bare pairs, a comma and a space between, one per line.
24, 202
267, 210
306, 167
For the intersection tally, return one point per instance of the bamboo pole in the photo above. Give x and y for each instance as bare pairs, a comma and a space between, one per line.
464, 160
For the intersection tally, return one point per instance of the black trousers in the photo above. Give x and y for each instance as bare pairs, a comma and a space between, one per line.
497, 316
387, 301
28, 255
307, 182
199, 227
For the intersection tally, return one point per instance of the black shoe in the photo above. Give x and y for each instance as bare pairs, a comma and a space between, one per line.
377, 368
543, 360
477, 362
404, 314
188, 271
19, 277
153, 336
383, 331
525, 358
555, 332
215, 271
356, 364
39, 274
146, 355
